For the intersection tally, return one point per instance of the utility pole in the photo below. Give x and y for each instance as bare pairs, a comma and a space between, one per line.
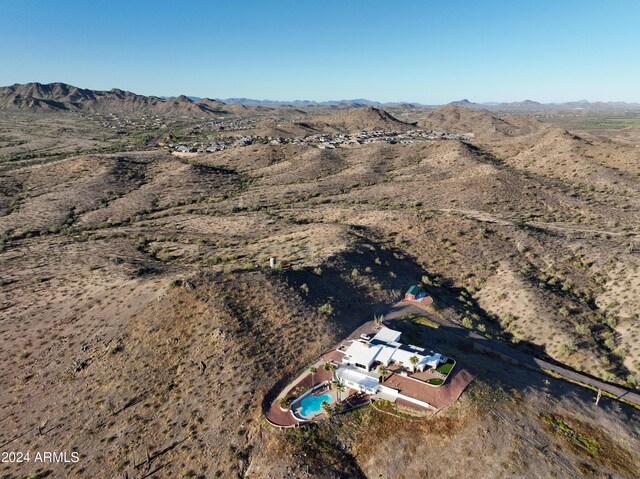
598, 396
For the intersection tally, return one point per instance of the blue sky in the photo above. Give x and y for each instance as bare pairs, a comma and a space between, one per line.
422, 50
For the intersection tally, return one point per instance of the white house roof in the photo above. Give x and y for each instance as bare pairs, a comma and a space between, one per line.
434, 360
387, 335
385, 354
351, 375
362, 353
403, 356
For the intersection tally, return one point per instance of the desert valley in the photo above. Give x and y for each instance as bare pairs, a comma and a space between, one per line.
170, 266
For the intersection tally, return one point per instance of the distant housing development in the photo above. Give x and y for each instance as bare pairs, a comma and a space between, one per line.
324, 141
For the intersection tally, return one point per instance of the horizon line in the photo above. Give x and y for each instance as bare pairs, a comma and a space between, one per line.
257, 99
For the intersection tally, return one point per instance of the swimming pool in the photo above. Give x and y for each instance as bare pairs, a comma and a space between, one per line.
311, 404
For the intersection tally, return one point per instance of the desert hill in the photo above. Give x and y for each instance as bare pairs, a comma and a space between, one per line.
362, 118
543, 149
346, 121
479, 123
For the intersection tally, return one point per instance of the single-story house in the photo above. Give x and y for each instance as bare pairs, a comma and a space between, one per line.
358, 380
385, 349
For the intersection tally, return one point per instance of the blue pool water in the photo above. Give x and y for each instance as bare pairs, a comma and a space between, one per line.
312, 404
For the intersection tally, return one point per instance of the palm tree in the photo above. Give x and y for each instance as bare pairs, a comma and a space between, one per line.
285, 402
330, 367
414, 361
313, 370
383, 371
326, 407
339, 388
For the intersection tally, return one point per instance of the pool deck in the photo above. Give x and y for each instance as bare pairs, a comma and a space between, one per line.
280, 418
319, 412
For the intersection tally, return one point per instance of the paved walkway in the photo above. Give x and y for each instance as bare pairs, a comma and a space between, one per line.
397, 310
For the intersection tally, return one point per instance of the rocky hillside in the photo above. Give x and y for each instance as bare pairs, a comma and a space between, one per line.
478, 123
363, 118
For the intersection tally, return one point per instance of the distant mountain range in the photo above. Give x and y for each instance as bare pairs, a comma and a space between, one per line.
304, 103
64, 97
530, 105
525, 105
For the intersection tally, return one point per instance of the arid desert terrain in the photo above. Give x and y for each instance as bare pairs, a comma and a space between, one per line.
141, 324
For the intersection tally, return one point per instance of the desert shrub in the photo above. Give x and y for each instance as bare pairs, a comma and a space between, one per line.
582, 329
632, 381
326, 308
568, 349
609, 377
611, 320
620, 353
610, 342
506, 319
